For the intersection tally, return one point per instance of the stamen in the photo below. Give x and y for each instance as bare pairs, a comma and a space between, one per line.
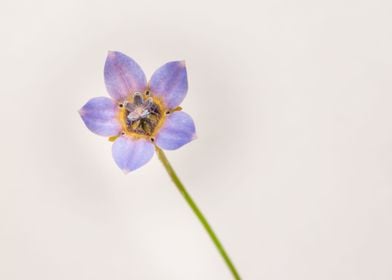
129, 106
148, 103
137, 99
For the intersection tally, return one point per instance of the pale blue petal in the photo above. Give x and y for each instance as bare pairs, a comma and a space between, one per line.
170, 83
130, 154
177, 131
123, 76
100, 115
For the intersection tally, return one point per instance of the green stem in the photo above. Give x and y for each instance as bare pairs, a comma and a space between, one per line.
196, 210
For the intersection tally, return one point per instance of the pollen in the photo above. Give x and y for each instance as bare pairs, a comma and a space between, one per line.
141, 115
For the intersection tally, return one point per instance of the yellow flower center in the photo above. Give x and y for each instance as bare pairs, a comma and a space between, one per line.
141, 115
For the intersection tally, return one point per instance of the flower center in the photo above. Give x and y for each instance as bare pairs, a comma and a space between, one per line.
141, 115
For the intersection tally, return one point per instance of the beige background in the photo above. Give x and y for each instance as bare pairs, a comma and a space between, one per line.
292, 101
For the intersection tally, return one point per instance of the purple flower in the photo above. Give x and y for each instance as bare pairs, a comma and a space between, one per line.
140, 115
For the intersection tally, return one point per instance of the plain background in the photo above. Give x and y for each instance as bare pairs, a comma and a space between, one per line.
292, 166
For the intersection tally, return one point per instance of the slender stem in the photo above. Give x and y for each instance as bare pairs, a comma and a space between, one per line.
198, 213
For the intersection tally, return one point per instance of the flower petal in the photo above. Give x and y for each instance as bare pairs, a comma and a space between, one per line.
100, 116
130, 154
177, 131
170, 82
123, 76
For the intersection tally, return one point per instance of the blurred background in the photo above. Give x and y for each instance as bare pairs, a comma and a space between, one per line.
292, 166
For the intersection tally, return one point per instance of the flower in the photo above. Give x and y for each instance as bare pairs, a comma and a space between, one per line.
140, 115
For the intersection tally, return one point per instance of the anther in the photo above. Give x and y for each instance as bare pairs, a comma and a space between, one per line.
147, 92
148, 103
152, 139
167, 112
129, 106
137, 98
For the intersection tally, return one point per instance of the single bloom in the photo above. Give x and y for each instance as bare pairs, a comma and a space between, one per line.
140, 115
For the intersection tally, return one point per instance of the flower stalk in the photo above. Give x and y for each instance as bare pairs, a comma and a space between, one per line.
197, 212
